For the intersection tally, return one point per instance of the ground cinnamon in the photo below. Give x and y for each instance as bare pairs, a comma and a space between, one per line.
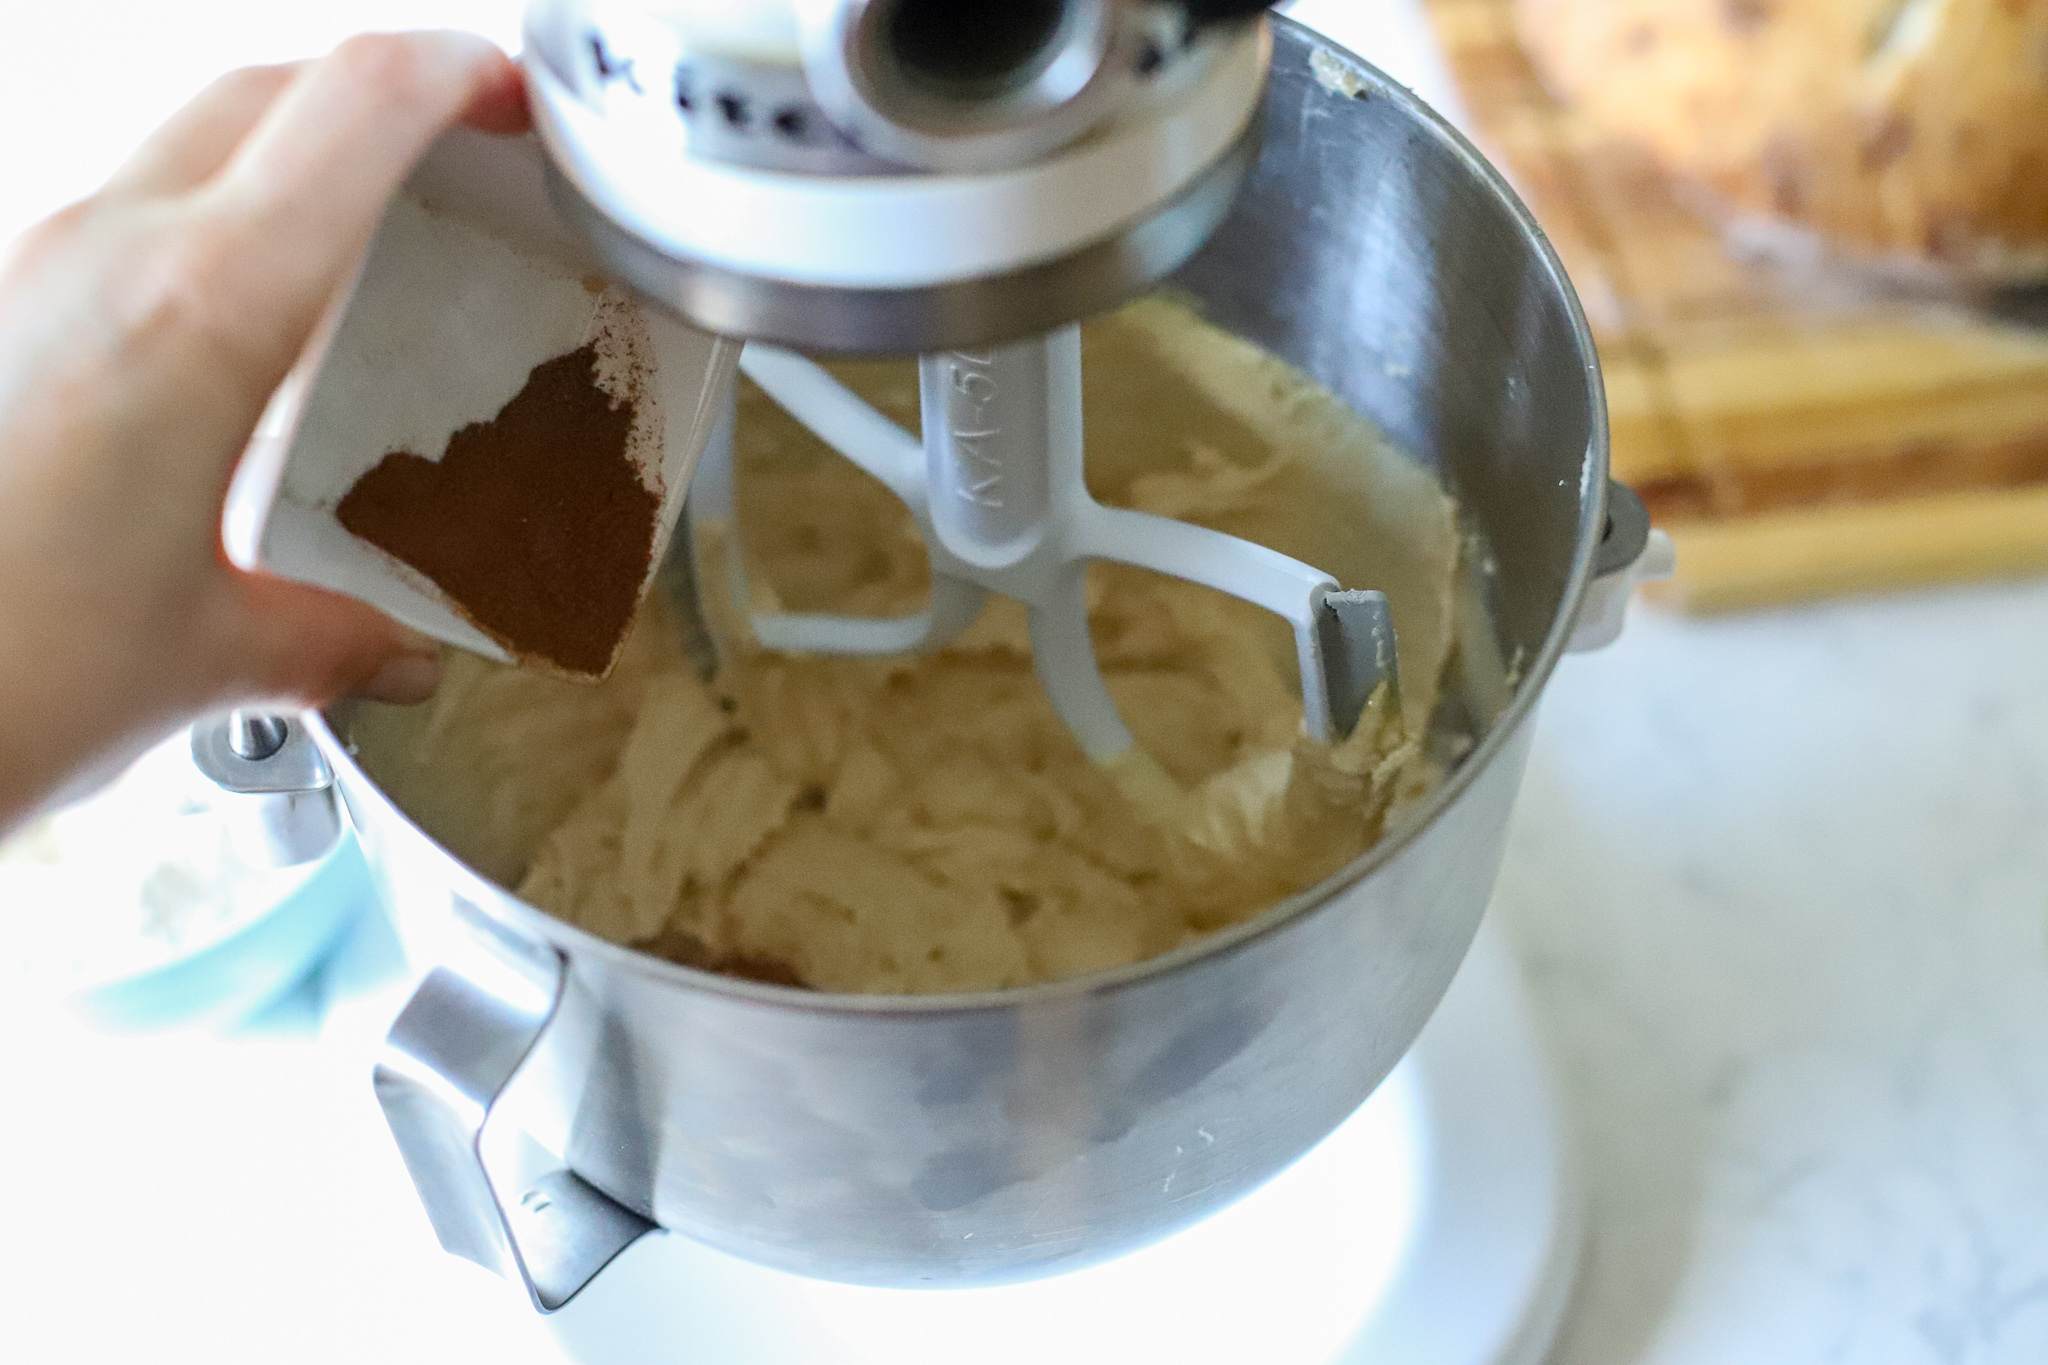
536, 523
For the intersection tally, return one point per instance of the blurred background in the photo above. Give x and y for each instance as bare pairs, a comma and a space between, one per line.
1778, 876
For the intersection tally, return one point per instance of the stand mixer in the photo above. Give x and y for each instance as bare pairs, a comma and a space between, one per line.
947, 178
557, 1096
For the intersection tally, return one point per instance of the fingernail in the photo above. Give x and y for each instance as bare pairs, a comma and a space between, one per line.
406, 680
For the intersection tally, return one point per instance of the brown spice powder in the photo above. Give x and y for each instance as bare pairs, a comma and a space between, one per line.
535, 523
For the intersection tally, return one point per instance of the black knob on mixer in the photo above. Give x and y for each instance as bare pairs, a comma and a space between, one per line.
1221, 11
969, 51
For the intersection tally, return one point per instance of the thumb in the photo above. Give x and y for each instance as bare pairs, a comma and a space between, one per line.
309, 645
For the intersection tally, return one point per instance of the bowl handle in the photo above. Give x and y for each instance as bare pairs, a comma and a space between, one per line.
446, 1065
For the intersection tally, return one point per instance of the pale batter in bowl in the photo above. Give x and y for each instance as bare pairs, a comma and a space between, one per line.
918, 825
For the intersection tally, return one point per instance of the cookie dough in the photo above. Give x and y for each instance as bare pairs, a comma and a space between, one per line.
918, 825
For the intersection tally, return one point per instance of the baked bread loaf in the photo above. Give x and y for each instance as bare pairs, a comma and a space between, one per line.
1914, 131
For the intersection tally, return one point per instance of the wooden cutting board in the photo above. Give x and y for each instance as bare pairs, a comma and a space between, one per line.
1797, 433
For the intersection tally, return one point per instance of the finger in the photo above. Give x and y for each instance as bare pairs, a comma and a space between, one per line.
300, 197
198, 139
307, 645
500, 104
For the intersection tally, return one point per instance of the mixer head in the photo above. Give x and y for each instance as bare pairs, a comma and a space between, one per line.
895, 175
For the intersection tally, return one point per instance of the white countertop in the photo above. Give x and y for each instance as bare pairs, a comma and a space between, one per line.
1781, 887
1780, 883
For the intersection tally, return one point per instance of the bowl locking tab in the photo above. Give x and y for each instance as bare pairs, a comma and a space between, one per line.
280, 804
1632, 552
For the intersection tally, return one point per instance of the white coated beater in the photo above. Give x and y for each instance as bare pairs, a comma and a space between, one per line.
939, 177
997, 491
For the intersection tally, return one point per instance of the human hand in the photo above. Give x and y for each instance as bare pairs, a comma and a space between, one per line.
142, 332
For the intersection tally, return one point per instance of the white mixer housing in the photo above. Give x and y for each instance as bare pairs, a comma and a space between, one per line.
891, 175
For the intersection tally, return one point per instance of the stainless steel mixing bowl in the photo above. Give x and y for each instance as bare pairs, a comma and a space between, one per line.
970, 1139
